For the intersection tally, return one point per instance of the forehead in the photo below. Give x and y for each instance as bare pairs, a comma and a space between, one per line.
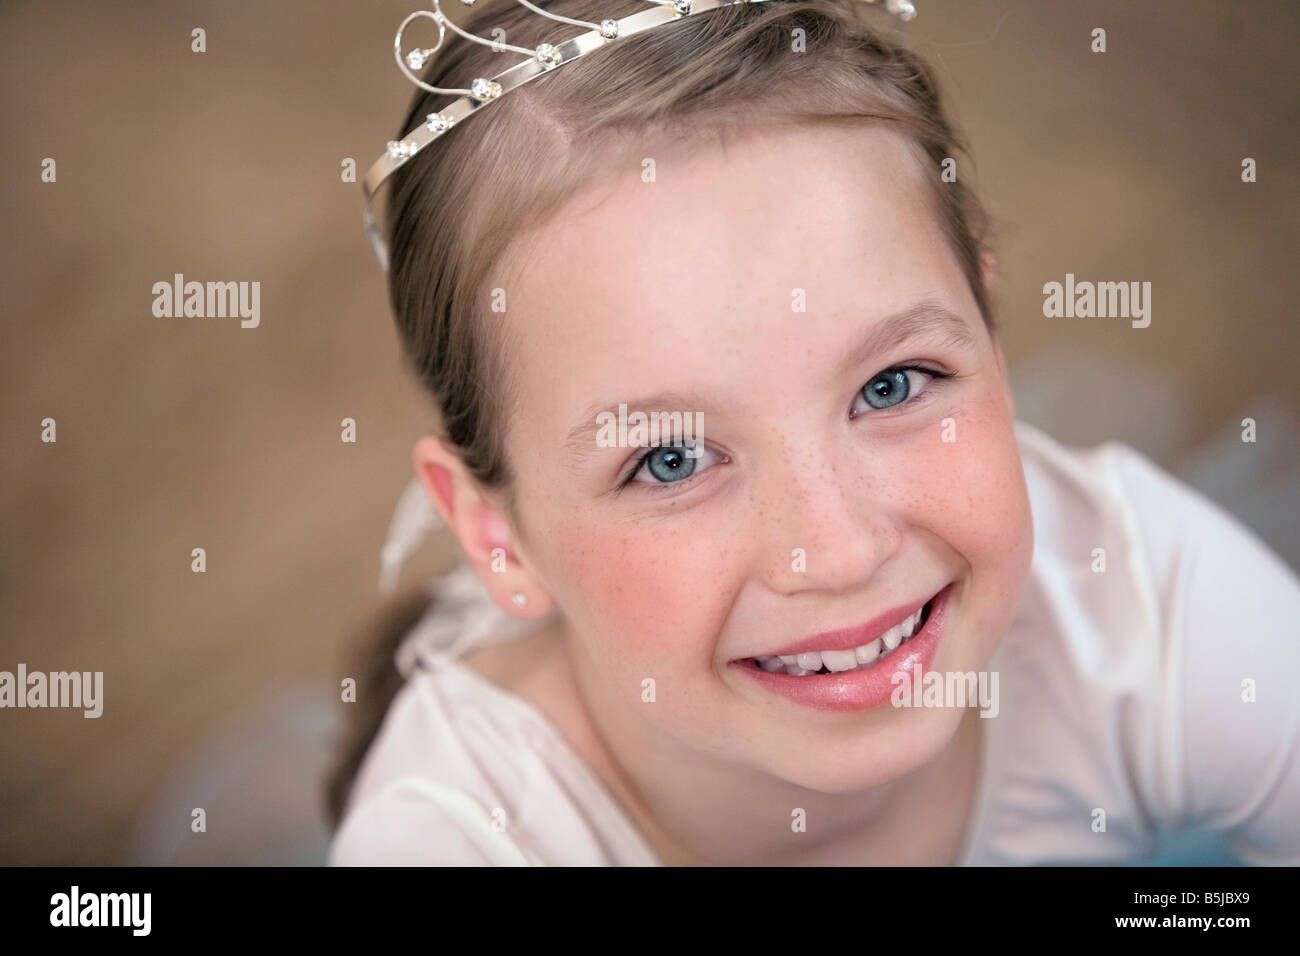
716, 217
634, 279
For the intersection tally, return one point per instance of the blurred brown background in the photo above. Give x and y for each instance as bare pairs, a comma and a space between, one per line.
221, 689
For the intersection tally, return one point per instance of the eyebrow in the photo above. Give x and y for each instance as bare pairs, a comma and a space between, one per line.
927, 319
583, 435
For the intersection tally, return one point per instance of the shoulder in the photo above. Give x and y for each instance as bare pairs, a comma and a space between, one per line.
1111, 508
425, 792
414, 821
465, 772
1156, 647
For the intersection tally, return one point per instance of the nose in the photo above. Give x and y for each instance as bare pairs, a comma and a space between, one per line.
828, 523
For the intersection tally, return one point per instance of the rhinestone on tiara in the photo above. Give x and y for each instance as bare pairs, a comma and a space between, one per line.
539, 60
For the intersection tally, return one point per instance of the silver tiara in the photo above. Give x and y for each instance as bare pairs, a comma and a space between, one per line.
542, 59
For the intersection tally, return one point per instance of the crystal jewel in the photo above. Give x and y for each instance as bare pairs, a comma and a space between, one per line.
547, 55
903, 9
485, 89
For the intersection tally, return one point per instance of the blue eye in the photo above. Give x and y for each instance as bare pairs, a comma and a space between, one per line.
895, 385
668, 465
888, 388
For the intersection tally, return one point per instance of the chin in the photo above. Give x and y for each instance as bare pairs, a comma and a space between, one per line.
904, 743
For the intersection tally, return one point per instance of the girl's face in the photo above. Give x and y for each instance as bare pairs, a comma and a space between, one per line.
851, 464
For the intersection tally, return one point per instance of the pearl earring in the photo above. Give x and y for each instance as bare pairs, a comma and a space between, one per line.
519, 598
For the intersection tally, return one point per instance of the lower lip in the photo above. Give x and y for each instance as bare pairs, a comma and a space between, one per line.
867, 687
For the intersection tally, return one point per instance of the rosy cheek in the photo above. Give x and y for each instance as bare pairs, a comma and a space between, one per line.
996, 500
969, 492
646, 593
982, 509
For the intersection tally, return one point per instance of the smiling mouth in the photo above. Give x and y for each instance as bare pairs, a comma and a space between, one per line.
815, 663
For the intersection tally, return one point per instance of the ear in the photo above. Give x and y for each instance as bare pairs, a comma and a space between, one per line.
1007, 396
490, 544
988, 277
988, 272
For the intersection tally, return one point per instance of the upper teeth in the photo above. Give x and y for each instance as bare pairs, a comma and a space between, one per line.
835, 661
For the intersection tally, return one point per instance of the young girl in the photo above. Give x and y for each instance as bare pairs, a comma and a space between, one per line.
712, 650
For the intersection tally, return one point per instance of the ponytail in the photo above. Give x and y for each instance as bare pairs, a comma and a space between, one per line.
378, 681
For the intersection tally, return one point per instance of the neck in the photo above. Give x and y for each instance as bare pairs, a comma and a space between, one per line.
696, 809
